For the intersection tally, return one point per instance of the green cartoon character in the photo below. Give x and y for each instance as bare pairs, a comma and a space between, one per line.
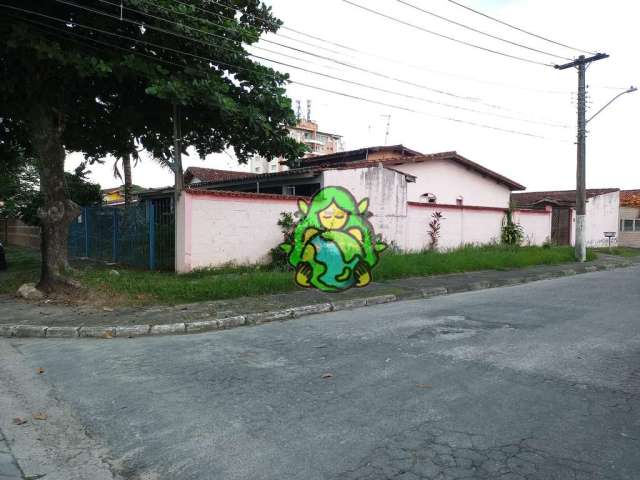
334, 245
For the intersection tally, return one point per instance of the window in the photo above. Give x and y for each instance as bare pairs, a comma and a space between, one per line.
627, 226
272, 167
429, 197
290, 190
637, 225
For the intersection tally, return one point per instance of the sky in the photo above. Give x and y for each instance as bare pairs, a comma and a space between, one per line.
539, 100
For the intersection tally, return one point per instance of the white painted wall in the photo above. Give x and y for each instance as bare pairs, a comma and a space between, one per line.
386, 191
448, 180
603, 215
232, 229
536, 225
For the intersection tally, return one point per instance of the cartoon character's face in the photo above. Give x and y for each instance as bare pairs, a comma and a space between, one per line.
333, 217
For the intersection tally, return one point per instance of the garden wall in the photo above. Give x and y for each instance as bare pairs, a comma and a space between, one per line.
217, 228
16, 232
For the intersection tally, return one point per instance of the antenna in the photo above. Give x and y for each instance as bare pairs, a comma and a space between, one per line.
308, 110
298, 110
386, 134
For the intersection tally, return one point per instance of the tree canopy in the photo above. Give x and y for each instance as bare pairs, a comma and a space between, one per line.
99, 76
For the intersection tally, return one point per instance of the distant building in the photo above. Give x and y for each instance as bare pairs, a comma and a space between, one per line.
115, 196
629, 218
317, 142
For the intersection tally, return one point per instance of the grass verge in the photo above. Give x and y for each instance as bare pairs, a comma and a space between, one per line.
143, 287
620, 251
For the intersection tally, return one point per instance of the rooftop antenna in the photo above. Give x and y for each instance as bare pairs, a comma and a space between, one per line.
308, 110
298, 110
386, 133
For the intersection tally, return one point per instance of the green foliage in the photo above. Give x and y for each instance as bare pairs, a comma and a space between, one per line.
434, 229
117, 94
279, 258
18, 185
512, 233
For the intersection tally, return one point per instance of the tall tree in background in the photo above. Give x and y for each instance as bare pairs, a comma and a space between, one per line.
66, 66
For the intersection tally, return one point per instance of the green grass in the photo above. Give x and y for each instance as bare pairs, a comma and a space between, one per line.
24, 267
143, 287
471, 258
233, 282
620, 251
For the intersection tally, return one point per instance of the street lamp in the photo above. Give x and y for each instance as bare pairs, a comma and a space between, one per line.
628, 90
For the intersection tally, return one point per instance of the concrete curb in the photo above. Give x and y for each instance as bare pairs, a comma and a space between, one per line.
207, 325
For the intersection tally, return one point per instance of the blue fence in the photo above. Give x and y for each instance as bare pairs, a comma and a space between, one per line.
141, 235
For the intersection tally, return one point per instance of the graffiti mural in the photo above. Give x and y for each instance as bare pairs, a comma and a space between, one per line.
334, 245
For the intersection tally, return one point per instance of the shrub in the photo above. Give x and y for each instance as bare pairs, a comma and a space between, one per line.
512, 233
279, 258
434, 229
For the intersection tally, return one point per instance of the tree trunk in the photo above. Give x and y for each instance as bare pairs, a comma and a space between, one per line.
126, 166
57, 211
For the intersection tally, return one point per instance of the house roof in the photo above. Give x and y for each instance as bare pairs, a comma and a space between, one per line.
359, 154
400, 155
404, 155
213, 174
307, 170
557, 197
630, 198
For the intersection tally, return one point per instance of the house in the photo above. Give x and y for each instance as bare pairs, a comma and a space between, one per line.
115, 196
307, 133
602, 213
629, 235
443, 178
231, 217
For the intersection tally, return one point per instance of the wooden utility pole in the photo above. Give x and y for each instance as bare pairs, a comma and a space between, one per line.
177, 152
581, 193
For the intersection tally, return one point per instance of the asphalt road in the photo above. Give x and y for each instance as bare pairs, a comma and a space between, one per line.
539, 381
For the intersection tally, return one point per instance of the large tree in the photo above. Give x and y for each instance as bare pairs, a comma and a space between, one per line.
68, 65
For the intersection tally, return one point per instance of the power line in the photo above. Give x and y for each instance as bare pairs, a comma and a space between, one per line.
359, 51
451, 119
325, 75
518, 28
267, 21
68, 22
446, 37
348, 65
495, 37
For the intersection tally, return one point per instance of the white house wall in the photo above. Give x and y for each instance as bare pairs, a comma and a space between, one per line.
387, 194
448, 180
603, 214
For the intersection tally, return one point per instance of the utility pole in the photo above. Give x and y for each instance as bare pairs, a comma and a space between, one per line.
177, 152
581, 193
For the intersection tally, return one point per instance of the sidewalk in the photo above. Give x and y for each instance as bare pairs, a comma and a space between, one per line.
22, 319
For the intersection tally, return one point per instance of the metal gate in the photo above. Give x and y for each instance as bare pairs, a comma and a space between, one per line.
140, 235
561, 226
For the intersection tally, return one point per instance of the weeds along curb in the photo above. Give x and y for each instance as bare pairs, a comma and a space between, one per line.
213, 324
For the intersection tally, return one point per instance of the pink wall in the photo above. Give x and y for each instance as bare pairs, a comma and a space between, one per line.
229, 228
536, 224
218, 228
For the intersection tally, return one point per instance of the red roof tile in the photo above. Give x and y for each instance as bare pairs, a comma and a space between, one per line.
630, 198
213, 174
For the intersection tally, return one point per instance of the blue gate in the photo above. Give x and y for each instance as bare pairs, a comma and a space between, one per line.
140, 235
